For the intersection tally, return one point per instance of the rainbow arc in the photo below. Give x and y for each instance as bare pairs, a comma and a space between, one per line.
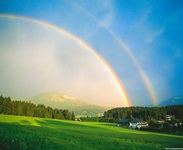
124, 94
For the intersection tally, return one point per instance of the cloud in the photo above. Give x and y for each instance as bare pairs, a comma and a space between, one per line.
153, 34
102, 10
144, 29
108, 12
35, 59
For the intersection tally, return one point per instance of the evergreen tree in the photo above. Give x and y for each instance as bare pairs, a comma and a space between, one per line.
73, 116
29, 109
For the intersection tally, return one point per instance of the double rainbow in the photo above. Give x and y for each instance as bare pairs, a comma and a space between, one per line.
124, 94
127, 50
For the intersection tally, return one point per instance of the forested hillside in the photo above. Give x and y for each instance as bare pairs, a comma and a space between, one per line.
147, 113
24, 108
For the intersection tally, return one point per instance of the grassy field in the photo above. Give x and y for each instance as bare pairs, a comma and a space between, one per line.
36, 133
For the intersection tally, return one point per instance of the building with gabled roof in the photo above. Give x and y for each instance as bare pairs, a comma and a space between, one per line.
124, 122
138, 123
169, 117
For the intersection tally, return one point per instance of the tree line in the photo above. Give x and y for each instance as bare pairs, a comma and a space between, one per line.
24, 108
90, 119
147, 113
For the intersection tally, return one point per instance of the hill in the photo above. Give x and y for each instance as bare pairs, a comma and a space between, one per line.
60, 101
172, 101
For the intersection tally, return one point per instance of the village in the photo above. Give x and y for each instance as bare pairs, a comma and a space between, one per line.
170, 124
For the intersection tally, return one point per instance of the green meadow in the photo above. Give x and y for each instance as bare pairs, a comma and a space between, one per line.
17, 132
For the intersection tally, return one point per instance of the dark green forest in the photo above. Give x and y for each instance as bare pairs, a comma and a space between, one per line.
150, 114
24, 108
147, 113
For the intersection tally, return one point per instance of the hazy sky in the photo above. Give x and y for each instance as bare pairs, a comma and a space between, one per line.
151, 31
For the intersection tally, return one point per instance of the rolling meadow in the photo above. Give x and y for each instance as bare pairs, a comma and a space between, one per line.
18, 132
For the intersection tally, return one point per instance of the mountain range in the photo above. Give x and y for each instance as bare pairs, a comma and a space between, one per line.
172, 101
61, 101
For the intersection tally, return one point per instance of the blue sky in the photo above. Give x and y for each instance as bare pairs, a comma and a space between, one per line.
152, 31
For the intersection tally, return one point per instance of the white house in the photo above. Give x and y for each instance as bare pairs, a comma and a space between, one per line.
138, 123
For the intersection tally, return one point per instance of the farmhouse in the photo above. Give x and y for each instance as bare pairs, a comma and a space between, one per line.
124, 122
138, 123
169, 117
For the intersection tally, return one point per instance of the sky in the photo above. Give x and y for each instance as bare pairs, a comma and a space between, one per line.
140, 41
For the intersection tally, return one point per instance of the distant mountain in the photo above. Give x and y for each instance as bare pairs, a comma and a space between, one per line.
172, 101
60, 101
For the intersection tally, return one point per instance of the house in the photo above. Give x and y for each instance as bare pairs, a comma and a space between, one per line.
124, 122
169, 117
138, 123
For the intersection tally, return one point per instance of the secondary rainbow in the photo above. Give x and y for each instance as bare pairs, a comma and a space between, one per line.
128, 52
142, 73
82, 43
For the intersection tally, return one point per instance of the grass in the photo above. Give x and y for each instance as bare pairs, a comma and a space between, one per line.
17, 132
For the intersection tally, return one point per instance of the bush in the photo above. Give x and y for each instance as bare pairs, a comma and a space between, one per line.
154, 123
152, 129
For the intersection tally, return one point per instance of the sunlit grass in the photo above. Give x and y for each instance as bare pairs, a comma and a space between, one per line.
19, 132
20, 120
